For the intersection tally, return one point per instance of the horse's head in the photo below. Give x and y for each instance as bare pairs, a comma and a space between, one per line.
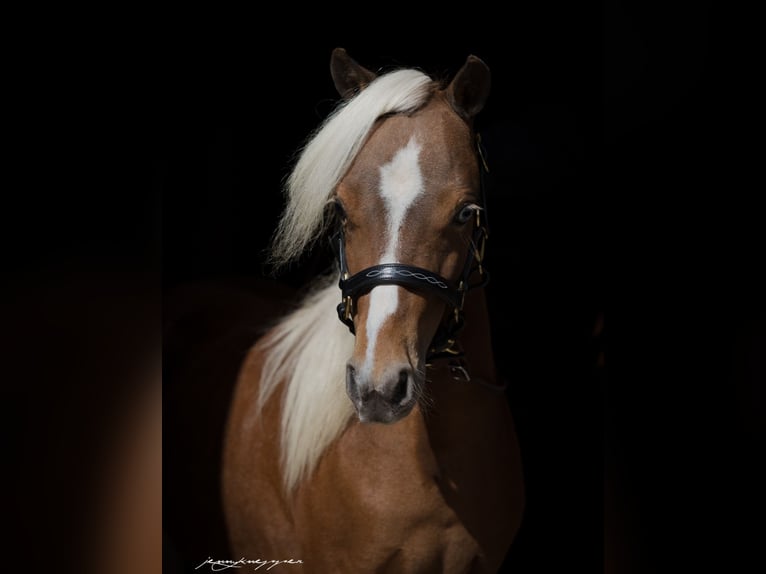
410, 205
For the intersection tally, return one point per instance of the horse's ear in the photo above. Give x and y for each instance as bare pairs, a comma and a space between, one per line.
469, 89
349, 77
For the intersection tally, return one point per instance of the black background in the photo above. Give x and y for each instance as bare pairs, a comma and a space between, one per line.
620, 139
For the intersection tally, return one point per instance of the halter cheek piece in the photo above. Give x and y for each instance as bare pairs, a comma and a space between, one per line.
422, 280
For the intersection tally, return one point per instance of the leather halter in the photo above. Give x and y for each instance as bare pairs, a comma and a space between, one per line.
444, 343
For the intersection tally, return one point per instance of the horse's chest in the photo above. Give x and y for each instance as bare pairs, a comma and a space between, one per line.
389, 507
391, 527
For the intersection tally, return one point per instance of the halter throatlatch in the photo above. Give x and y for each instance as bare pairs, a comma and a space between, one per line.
444, 343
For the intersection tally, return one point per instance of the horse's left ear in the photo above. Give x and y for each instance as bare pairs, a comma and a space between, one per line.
469, 89
347, 74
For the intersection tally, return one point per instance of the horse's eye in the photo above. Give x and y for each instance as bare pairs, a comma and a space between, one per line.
465, 214
340, 212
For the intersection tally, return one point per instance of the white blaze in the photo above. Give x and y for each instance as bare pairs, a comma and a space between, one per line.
401, 182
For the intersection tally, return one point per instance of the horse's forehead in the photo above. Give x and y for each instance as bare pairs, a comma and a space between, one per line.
440, 137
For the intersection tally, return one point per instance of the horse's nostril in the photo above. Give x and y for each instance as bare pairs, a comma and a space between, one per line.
400, 390
351, 387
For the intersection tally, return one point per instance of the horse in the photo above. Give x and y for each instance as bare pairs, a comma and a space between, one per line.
368, 430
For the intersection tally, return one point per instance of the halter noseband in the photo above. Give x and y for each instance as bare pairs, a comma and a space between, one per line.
422, 280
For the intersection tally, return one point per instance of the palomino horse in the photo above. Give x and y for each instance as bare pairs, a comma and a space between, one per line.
381, 442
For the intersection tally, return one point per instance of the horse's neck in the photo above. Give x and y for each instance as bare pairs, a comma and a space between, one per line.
452, 393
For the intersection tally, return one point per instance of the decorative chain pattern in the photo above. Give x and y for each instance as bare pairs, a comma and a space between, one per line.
407, 273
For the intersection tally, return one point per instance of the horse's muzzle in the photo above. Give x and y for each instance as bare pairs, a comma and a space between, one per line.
384, 401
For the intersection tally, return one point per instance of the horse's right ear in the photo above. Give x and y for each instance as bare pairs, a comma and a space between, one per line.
348, 75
